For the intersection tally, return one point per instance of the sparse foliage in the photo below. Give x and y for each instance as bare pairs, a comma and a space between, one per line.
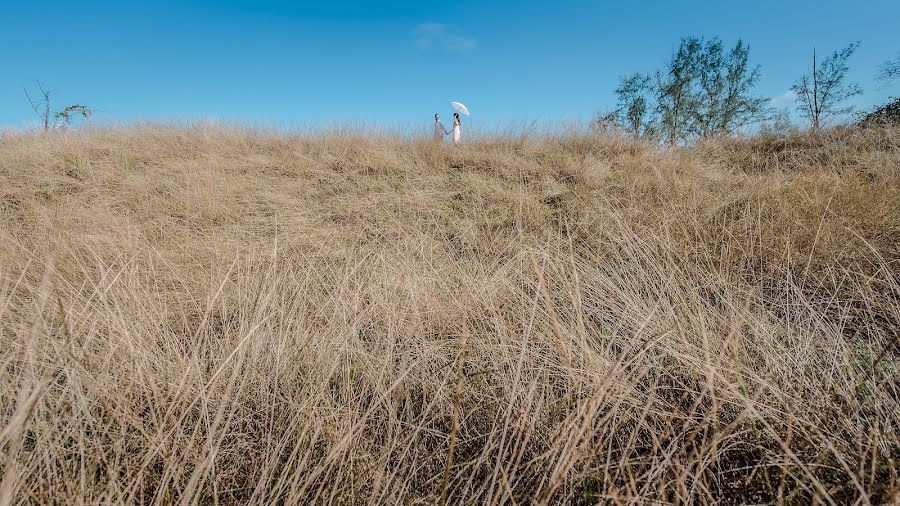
675, 98
41, 104
890, 70
606, 123
635, 99
68, 115
778, 122
823, 93
726, 82
886, 113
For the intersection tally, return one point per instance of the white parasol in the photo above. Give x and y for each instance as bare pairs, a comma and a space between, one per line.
459, 107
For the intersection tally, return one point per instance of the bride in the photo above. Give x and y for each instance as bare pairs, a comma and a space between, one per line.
455, 131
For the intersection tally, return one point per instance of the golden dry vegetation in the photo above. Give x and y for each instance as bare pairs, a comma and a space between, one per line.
212, 315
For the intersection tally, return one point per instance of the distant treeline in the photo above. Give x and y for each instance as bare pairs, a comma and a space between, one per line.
707, 90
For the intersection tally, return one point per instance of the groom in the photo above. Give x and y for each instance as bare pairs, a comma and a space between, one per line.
439, 130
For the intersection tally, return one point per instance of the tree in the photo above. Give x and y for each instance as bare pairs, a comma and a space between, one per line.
68, 115
725, 82
41, 106
674, 90
606, 122
778, 122
65, 117
890, 70
634, 94
704, 91
822, 94
888, 113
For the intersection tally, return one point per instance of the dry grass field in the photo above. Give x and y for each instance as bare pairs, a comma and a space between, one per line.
217, 316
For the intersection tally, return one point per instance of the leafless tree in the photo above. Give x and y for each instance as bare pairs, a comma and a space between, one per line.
41, 105
822, 94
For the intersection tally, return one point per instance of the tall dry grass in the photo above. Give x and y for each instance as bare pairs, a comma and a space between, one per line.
197, 315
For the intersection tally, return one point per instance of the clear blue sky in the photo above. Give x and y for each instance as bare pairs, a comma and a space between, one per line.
293, 63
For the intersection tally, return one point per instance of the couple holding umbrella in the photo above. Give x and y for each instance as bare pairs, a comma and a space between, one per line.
440, 131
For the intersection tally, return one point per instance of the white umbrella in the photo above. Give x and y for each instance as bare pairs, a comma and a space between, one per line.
459, 107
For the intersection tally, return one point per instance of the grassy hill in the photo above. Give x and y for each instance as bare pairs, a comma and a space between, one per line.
228, 317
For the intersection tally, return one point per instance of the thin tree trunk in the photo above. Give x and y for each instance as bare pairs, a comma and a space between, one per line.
677, 106
815, 94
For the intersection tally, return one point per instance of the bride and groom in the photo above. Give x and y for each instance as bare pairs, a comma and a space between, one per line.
440, 131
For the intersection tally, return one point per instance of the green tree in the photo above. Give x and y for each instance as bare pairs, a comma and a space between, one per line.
68, 115
725, 101
634, 107
823, 93
703, 91
675, 94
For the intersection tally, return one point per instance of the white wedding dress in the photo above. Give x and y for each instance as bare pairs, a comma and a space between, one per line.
456, 133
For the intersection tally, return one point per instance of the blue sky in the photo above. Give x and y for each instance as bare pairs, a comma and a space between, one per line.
300, 64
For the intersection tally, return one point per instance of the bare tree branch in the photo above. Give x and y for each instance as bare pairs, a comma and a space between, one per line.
890, 71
